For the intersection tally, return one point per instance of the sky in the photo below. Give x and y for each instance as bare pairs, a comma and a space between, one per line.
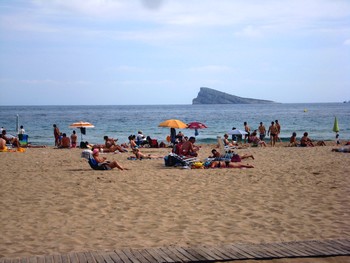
134, 52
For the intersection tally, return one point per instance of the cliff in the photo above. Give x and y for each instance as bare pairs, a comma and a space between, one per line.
211, 96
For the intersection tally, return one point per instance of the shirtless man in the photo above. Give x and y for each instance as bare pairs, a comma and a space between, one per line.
140, 155
278, 126
247, 130
262, 131
221, 164
65, 142
272, 132
188, 148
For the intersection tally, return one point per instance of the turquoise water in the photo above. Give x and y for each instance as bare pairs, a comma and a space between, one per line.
121, 121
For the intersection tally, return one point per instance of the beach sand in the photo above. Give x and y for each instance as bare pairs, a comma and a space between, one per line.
51, 201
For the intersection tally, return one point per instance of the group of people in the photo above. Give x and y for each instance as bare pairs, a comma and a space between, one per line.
62, 140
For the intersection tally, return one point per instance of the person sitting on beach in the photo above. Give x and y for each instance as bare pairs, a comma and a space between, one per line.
139, 155
189, 149
65, 141
177, 149
227, 142
74, 139
141, 139
256, 141
305, 141
293, 140
12, 140
215, 154
99, 159
111, 146
2, 144
133, 144
223, 164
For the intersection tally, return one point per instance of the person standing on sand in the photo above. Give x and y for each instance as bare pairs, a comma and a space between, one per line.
278, 126
56, 133
272, 132
262, 131
73, 139
247, 130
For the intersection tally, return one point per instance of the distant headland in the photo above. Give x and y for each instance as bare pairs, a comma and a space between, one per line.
212, 96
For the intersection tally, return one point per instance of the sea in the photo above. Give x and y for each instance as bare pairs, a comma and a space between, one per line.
120, 121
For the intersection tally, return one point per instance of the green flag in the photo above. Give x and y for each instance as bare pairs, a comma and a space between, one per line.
335, 126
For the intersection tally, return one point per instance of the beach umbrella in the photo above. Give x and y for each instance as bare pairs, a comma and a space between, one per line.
82, 125
173, 123
195, 126
236, 132
335, 125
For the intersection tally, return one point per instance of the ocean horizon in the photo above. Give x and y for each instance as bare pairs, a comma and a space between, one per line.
120, 121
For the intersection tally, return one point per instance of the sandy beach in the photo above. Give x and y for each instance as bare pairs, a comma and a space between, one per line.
51, 201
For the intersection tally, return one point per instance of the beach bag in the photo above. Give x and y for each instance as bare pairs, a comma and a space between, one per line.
170, 160
235, 158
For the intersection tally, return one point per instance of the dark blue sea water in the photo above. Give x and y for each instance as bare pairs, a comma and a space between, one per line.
121, 121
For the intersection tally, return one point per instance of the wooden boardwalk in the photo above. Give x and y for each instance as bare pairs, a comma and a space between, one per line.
171, 254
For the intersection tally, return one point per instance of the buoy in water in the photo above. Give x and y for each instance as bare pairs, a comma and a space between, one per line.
305, 110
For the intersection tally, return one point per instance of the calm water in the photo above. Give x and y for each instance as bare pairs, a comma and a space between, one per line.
121, 121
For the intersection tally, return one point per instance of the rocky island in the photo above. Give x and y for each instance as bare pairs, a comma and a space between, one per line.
212, 96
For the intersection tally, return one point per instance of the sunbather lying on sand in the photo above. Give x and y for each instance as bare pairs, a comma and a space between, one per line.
140, 155
221, 164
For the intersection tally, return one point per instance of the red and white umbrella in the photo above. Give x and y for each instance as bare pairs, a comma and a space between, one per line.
195, 126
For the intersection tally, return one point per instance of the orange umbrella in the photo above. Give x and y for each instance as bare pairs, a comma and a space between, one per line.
173, 123
82, 125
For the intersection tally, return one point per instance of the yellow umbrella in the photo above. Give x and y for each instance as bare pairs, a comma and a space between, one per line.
173, 123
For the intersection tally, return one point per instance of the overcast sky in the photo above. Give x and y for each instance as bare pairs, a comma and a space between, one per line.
121, 52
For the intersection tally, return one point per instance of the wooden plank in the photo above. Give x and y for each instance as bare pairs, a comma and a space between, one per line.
185, 253
245, 251
326, 247
289, 253
139, 256
236, 252
40, 259
155, 255
49, 259
196, 254
303, 248
130, 256
147, 255
32, 259
267, 251
226, 254
163, 255
339, 246
81, 257
89, 257
179, 255
73, 258
106, 257
57, 258
218, 253
170, 254
209, 253
65, 258
98, 258
122, 255
344, 242
114, 256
